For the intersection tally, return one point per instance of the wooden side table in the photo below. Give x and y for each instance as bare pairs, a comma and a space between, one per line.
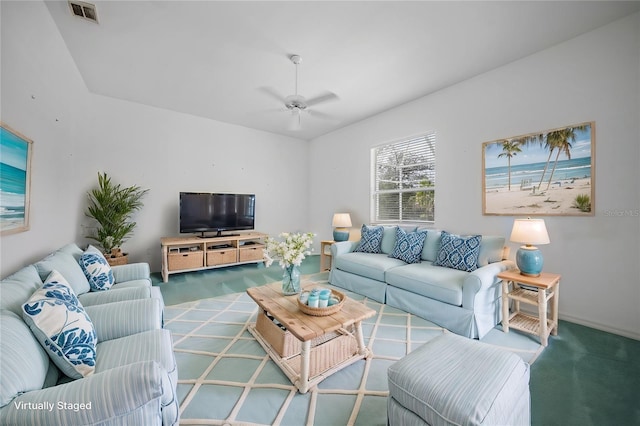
325, 258
535, 291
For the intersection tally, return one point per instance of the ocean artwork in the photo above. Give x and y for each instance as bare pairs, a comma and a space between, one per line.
540, 174
15, 160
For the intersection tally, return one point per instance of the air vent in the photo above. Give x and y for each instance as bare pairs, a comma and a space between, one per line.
84, 10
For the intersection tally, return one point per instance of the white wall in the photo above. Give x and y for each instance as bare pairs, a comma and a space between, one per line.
164, 151
169, 152
42, 93
592, 77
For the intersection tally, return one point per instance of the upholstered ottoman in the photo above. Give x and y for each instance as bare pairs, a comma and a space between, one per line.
453, 380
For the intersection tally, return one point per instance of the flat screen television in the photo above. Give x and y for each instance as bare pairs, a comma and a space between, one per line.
213, 212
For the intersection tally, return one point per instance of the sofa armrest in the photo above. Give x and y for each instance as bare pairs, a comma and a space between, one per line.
114, 295
482, 280
83, 402
342, 247
131, 272
120, 319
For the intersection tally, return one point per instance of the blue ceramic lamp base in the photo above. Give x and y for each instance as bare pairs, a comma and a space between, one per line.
340, 234
529, 261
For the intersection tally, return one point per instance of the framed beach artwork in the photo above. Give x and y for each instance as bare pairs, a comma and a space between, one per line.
541, 174
15, 175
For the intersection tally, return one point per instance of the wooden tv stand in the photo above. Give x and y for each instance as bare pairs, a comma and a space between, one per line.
184, 254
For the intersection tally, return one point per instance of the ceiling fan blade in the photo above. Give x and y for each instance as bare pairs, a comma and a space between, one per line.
272, 93
326, 97
322, 115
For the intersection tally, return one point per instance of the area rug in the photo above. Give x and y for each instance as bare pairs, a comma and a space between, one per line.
225, 376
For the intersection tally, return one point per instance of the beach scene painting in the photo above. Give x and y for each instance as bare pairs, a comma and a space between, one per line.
15, 161
541, 174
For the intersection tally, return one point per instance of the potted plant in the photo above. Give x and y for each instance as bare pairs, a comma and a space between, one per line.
112, 206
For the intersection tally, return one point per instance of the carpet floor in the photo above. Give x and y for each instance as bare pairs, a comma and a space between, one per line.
225, 376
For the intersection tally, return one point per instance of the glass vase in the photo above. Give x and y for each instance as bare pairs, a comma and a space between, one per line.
291, 280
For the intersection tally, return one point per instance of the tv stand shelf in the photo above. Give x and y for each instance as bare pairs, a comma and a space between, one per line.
184, 254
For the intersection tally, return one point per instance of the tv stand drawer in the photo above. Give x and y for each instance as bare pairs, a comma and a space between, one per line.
252, 253
220, 257
188, 260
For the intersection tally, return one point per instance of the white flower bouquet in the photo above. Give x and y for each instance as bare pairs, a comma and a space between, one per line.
290, 250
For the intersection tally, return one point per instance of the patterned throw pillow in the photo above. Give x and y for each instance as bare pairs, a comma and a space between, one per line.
96, 269
409, 245
458, 252
370, 239
63, 328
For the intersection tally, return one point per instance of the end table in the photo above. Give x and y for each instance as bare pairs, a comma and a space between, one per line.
536, 291
325, 258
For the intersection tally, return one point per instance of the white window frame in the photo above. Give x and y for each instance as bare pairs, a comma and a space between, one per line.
420, 145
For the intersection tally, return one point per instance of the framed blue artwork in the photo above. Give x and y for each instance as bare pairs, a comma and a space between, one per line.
15, 179
547, 173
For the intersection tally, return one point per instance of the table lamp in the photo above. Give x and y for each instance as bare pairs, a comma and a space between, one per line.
341, 224
529, 232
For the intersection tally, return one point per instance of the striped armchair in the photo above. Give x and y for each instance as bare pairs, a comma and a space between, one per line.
134, 375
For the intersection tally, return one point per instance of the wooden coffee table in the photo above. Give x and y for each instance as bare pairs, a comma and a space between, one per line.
308, 348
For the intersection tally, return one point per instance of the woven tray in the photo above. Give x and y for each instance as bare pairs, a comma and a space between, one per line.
321, 312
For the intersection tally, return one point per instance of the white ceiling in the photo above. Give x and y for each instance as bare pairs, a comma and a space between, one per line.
225, 60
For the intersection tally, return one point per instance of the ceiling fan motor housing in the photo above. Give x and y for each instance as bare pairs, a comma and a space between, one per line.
295, 102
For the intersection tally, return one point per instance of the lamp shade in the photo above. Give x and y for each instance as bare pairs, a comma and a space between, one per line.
341, 223
528, 232
341, 220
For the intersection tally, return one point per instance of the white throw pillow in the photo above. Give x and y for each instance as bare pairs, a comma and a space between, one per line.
96, 269
63, 328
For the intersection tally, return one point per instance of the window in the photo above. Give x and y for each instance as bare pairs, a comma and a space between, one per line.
403, 181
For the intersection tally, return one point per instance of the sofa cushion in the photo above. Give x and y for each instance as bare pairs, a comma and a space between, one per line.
66, 264
17, 288
368, 265
458, 252
24, 362
490, 250
96, 269
428, 280
370, 239
409, 245
61, 325
431, 245
388, 239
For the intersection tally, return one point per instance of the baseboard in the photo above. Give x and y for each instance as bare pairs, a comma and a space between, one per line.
601, 327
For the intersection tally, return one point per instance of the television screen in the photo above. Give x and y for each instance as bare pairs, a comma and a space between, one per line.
213, 212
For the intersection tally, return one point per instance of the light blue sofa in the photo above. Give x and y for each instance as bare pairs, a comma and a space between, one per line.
466, 303
135, 377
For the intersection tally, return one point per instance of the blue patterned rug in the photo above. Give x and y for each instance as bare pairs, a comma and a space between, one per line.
225, 376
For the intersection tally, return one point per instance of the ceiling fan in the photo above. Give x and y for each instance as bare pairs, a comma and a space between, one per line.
296, 104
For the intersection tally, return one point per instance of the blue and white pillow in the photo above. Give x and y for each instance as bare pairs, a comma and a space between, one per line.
409, 245
96, 269
63, 328
370, 239
458, 252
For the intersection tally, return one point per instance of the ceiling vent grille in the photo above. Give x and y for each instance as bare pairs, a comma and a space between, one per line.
84, 10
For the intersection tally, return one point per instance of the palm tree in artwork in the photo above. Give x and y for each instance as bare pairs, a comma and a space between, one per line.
510, 148
561, 140
549, 144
